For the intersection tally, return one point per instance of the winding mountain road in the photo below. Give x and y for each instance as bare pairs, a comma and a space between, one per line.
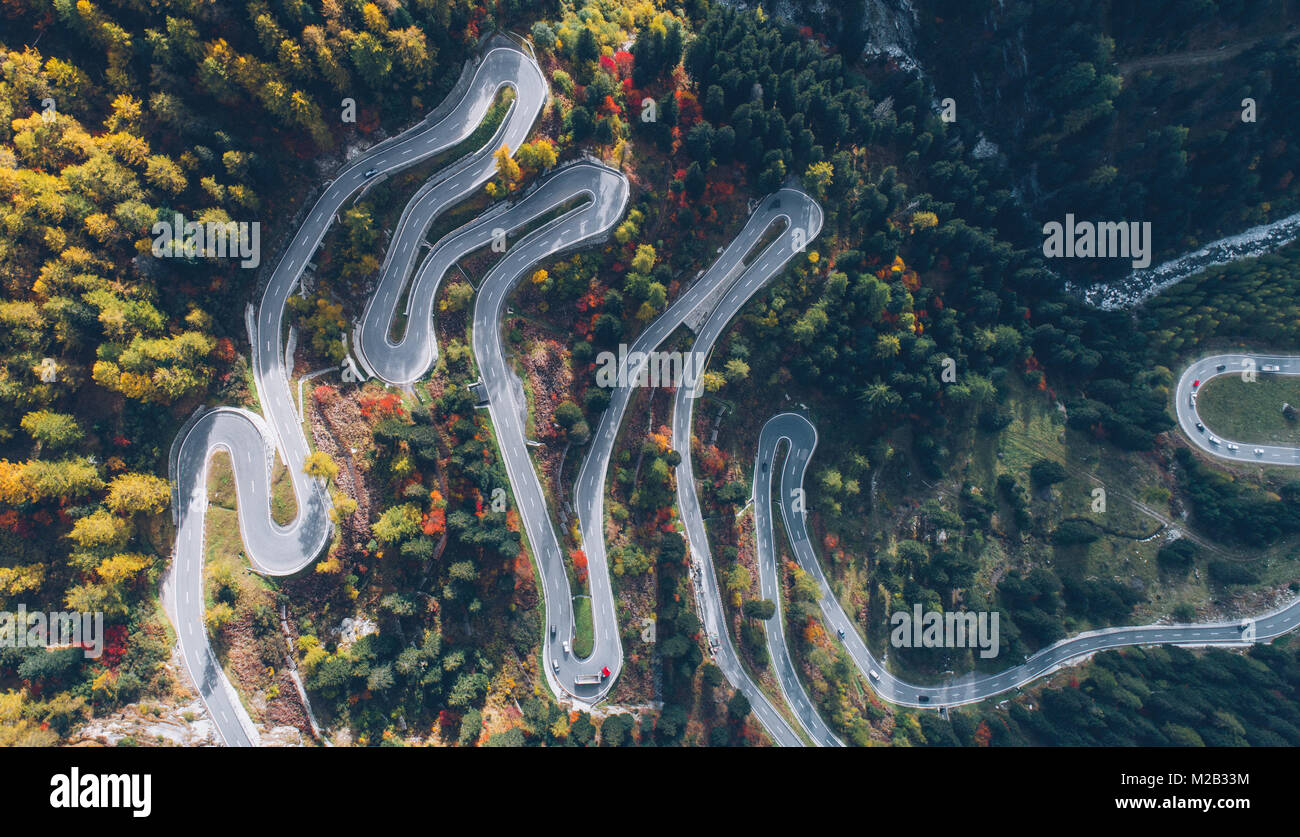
575, 205
1214, 366
606, 193
803, 218
800, 437
774, 433
589, 491
413, 354
252, 440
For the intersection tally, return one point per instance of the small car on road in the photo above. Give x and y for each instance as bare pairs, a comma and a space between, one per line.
1213, 441
371, 173
1259, 451
555, 664
1200, 427
566, 647
1233, 446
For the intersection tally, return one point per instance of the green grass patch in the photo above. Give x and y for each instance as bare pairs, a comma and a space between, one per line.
221, 483
584, 635
221, 491
1250, 412
225, 561
284, 505
221, 540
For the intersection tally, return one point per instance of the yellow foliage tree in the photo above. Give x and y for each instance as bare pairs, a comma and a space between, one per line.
18, 730
344, 508
537, 155
100, 529
14, 581
644, 260
218, 616
320, 464
507, 168
924, 220
818, 177
121, 568
131, 493
67, 478
13, 491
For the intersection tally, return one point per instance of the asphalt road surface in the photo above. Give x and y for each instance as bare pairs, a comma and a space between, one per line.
589, 491
1215, 366
252, 440
801, 437
769, 575
804, 221
599, 195
605, 193
408, 358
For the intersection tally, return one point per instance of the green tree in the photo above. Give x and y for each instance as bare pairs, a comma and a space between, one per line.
52, 430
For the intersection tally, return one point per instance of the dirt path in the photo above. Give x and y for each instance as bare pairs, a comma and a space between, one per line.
1181, 527
1196, 56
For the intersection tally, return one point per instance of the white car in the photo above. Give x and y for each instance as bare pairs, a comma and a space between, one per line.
1271, 368
566, 647
1259, 451
1213, 441
1233, 446
555, 664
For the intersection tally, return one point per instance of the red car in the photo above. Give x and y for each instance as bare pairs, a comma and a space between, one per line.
1196, 383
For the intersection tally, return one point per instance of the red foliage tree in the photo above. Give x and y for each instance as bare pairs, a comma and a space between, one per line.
625, 61
579, 564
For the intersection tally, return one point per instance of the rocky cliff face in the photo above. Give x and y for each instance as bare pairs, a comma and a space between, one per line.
891, 30
177, 721
889, 26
